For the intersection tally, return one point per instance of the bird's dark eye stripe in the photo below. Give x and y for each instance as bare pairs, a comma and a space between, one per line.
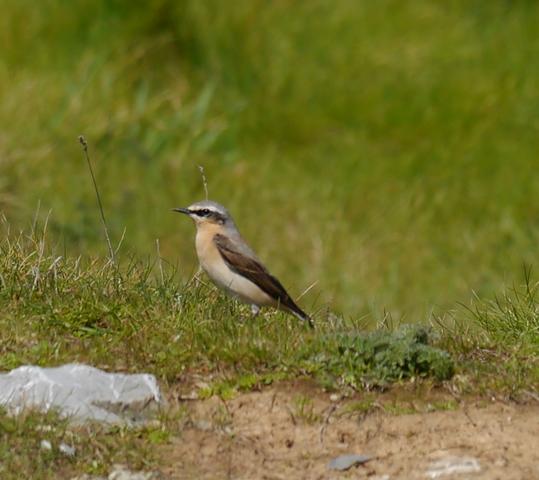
204, 212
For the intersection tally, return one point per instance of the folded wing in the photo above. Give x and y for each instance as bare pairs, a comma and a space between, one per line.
254, 271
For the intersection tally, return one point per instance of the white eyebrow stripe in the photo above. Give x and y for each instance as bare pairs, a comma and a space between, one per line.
211, 209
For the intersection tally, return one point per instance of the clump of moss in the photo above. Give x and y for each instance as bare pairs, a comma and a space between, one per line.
382, 357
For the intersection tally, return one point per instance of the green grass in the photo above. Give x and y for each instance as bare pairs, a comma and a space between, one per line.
96, 448
138, 316
384, 151
392, 144
57, 309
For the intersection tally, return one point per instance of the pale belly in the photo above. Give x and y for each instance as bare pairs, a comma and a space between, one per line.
232, 283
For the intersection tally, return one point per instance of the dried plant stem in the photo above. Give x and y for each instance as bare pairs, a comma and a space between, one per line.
204, 181
160, 260
307, 289
82, 141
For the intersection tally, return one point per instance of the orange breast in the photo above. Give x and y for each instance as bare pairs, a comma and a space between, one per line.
213, 264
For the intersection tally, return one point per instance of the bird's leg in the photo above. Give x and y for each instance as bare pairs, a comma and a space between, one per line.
255, 310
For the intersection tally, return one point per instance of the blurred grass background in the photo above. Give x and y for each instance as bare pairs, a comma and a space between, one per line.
387, 150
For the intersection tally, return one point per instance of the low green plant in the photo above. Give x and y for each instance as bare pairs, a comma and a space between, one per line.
399, 408
362, 359
442, 405
361, 407
303, 410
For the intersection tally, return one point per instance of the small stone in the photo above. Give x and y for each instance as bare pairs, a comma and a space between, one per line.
192, 395
203, 425
67, 449
334, 397
45, 445
121, 472
344, 462
86, 476
452, 466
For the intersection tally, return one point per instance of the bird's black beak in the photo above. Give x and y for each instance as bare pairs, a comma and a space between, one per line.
182, 210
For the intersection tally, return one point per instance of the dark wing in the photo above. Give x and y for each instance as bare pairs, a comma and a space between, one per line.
254, 271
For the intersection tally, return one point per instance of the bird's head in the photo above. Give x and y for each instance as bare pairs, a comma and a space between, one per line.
206, 212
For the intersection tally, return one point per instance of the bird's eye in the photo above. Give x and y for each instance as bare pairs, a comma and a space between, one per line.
204, 212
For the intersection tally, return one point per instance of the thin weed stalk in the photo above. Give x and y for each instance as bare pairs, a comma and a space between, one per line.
204, 180
84, 144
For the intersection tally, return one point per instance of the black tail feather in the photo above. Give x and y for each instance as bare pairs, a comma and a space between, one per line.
299, 313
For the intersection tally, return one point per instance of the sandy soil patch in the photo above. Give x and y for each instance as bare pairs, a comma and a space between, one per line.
286, 433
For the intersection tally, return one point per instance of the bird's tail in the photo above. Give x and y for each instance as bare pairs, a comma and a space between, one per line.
299, 313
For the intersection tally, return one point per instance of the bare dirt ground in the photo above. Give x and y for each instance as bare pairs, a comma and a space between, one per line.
292, 432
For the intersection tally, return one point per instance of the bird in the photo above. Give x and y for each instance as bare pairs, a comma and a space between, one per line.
232, 265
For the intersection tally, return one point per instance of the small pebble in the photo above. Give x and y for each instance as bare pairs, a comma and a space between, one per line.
46, 445
452, 466
344, 462
67, 449
203, 425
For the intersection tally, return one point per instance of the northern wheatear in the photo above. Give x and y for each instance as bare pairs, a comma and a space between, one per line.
232, 265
